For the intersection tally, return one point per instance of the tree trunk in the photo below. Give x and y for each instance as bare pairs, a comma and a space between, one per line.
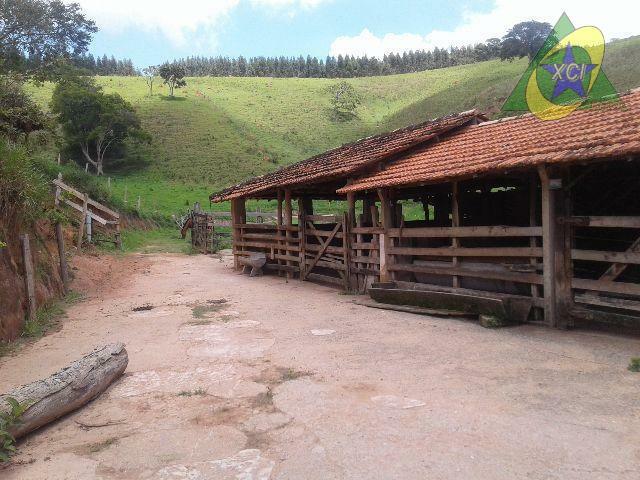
68, 389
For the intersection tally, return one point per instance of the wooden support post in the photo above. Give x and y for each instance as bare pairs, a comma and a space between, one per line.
548, 248
89, 227
138, 204
118, 237
455, 222
533, 241
58, 196
351, 281
64, 272
109, 183
28, 275
279, 221
238, 217
307, 203
303, 204
346, 250
564, 264
85, 209
351, 207
385, 240
288, 220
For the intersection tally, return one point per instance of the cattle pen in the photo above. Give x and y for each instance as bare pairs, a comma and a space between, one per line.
544, 214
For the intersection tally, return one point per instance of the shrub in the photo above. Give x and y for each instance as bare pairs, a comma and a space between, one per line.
23, 190
7, 421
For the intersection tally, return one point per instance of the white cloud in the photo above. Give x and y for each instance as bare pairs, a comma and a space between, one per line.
616, 18
182, 22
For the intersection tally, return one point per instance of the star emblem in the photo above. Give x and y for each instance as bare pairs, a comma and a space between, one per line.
569, 75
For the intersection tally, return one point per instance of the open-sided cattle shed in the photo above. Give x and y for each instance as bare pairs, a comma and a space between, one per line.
317, 246
545, 212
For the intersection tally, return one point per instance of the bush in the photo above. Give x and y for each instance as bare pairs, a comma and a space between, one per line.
24, 190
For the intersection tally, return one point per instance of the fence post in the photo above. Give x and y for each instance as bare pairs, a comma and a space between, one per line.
88, 227
85, 209
28, 273
64, 274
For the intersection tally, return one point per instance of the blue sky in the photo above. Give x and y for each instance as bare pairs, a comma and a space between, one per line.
152, 31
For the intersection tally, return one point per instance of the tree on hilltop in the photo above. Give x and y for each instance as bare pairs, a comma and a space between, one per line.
173, 76
524, 40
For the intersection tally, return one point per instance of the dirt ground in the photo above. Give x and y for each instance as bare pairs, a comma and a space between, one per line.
294, 381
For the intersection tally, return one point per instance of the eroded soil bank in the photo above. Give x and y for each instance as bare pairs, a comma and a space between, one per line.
232, 377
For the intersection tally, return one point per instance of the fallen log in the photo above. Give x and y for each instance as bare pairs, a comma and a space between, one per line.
68, 389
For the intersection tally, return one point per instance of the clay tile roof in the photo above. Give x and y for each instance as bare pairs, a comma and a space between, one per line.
606, 130
349, 158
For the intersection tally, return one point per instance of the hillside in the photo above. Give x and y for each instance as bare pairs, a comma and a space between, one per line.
219, 131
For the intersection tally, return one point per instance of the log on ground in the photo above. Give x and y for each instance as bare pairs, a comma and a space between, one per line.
68, 389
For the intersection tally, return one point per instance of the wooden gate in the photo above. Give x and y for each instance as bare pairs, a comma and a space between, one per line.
325, 250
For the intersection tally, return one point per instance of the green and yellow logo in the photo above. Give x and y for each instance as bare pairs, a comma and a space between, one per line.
566, 74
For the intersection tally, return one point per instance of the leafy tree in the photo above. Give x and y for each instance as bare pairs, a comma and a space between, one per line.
36, 33
524, 39
344, 99
19, 114
150, 74
173, 75
93, 121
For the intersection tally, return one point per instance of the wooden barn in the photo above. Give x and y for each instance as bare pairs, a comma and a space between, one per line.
544, 216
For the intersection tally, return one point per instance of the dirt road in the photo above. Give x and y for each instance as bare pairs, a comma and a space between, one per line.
294, 381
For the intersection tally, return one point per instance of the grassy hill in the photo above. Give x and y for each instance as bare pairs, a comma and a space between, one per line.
219, 131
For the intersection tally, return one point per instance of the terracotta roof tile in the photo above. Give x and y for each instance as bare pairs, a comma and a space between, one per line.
605, 130
347, 159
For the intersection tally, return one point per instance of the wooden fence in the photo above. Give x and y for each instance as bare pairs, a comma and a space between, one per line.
89, 212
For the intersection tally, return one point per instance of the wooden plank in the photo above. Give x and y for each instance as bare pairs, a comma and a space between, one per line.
323, 233
368, 230
288, 258
615, 270
95, 216
365, 259
58, 183
606, 286
324, 218
365, 246
316, 277
463, 272
334, 265
609, 257
468, 252
323, 248
605, 221
266, 236
292, 248
281, 268
255, 226
599, 301
466, 232
29, 277
312, 247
